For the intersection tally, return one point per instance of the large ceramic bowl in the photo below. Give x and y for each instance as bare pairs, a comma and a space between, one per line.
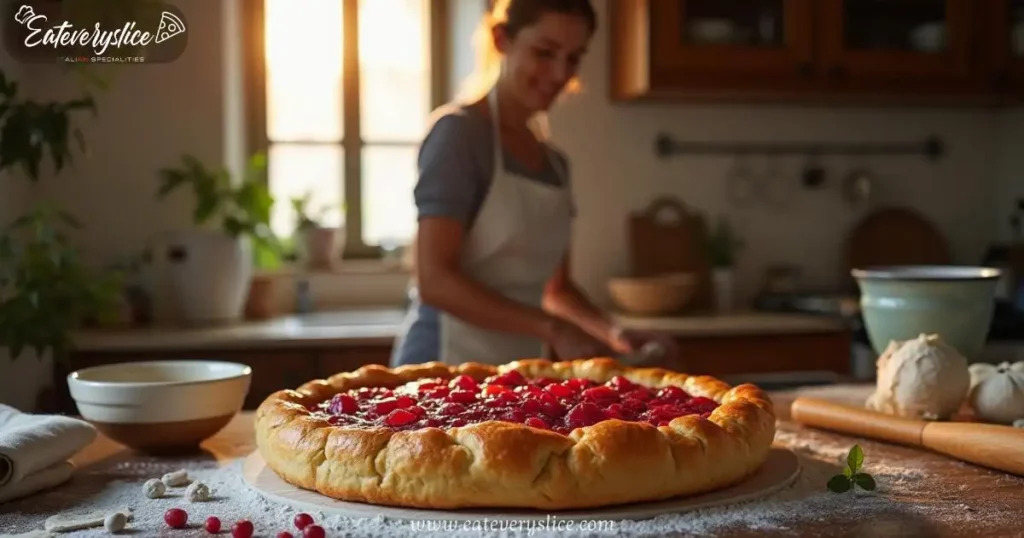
160, 406
902, 302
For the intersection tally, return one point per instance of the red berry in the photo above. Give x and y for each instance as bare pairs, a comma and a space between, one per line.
284, 534
212, 525
400, 417
242, 529
344, 404
537, 422
462, 396
601, 394
302, 520
561, 390
313, 531
176, 518
464, 382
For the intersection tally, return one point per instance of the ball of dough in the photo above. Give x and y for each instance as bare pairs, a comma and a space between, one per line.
997, 392
115, 522
154, 489
197, 492
176, 479
922, 378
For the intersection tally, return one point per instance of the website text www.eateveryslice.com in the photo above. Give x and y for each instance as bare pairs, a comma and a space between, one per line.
550, 523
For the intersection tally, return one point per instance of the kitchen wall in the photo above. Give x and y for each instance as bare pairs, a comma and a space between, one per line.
14, 190
615, 171
1010, 185
153, 113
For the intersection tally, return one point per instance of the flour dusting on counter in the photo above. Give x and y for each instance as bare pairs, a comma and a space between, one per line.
905, 502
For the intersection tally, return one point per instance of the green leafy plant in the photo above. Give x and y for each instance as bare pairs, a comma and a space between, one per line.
852, 476
241, 210
46, 291
46, 288
29, 130
304, 217
721, 244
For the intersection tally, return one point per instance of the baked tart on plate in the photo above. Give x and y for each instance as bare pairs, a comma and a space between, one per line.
531, 434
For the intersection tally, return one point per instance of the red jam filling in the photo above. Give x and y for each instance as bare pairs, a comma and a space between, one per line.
544, 403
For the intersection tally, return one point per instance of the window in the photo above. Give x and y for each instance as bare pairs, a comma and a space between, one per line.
347, 89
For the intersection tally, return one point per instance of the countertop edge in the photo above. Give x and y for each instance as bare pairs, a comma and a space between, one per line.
282, 334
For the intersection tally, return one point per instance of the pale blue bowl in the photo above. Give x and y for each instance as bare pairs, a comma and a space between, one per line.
902, 302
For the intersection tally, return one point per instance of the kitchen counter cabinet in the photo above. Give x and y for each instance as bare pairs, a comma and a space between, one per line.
332, 362
756, 354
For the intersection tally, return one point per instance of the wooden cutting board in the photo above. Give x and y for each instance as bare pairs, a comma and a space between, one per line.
665, 237
894, 236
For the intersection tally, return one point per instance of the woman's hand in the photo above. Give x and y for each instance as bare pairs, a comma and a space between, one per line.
649, 347
570, 342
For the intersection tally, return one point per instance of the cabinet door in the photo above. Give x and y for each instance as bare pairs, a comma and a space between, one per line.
1006, 27
864, 40
732, 37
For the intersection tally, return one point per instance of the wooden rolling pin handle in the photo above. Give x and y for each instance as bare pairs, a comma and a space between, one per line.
860, 422
988, 445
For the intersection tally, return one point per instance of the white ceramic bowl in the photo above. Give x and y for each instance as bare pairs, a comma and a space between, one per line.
161, 406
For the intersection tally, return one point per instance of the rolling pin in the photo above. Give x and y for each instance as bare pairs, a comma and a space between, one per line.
988, 445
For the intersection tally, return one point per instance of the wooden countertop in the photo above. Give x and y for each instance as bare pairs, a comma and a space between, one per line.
379, 326
933, 496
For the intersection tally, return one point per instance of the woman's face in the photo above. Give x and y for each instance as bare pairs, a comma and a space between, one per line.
543, 57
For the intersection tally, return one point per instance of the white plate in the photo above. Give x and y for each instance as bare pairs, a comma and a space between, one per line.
779, 471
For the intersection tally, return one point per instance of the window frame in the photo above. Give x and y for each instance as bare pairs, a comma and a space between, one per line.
352, 142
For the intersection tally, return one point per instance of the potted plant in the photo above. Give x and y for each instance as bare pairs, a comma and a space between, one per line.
721, 244
320, 242
47, 291
212, 265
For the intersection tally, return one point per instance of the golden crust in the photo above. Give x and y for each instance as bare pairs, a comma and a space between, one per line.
498, 464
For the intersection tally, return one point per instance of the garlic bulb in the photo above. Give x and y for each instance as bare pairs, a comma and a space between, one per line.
920, 378
997, 392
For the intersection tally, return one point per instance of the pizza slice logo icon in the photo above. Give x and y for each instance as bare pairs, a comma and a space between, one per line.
170, 26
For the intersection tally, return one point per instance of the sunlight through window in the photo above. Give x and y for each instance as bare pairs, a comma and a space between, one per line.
305, 118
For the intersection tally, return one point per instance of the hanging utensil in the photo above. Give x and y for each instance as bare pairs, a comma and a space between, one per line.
858, 187
813, 176
740, 184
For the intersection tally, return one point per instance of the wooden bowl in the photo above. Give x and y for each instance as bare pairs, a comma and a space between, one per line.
161, 407
653, 295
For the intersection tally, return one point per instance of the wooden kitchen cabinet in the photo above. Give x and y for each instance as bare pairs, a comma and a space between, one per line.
814, 50
765, 353
1006, 44
349, 359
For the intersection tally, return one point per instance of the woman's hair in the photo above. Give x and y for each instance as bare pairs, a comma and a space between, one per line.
514, 15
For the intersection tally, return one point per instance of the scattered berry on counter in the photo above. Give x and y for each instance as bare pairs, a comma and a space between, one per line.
115, 522
176, 518
284, 534
313, 531
302, 520
154, 488
175, 479
212, 525
242, 529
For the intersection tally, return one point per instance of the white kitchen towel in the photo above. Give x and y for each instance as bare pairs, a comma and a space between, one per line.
34, 450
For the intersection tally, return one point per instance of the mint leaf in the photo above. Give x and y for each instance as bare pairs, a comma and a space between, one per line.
839, 484
865, 481
855, 459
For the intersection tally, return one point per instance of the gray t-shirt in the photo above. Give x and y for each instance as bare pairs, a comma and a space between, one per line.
456, 167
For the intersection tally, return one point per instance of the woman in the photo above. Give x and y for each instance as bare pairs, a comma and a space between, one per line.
495, 207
